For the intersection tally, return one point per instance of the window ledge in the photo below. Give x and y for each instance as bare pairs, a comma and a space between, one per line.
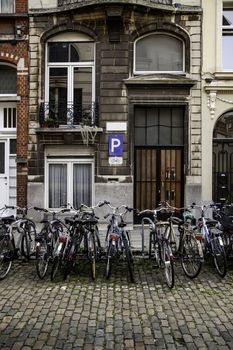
175, 79
65, 128
8, 98
224, 75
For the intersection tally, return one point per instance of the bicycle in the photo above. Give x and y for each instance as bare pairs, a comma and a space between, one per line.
159, 245
188, 248
117, 240
211, 240
83, 232
46, 240
9, 248
224, 216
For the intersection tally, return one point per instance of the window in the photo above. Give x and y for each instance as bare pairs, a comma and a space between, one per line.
8, 118
7, 6
8, 76
69, 181
227, 39
159, 126
70, 84
159, 53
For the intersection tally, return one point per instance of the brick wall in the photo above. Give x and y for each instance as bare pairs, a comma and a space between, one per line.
15, 51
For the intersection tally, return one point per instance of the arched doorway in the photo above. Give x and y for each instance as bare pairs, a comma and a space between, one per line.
223, 159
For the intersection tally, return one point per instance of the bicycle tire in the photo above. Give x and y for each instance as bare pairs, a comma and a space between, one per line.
168, 264
28, 240
98, 244
151, 243
92, 254
42, 259
129, 258
190, 258
55, 267
5, 260
219, 257
110, 256
69, 259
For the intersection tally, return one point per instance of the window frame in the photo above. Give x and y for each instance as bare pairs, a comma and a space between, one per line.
159, 72
70, 71
69, 162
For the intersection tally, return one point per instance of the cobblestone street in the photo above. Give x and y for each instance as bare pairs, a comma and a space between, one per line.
115, 314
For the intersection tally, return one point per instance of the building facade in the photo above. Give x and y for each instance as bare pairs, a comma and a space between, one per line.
115, 102
217, 102
13, 102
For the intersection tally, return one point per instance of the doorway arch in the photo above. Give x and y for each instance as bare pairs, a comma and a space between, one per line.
223, 158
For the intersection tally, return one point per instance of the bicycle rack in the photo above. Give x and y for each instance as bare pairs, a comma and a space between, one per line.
144, 220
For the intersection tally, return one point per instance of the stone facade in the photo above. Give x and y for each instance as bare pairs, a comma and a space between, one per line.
114, 28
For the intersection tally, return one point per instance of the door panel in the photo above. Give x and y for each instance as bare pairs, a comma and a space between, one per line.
158, 177
145, 183
3, 174
171, 176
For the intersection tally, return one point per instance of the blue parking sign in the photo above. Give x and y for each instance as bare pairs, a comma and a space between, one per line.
115, 145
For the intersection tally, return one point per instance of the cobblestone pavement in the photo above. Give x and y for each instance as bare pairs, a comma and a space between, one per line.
115, 314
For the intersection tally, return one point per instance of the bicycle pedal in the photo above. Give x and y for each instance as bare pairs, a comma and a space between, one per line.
155, 266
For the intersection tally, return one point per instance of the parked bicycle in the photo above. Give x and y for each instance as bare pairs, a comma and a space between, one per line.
211, 239
12, 247
160, 248
84, 239
185, 245
46, 239
117, 240
224, 215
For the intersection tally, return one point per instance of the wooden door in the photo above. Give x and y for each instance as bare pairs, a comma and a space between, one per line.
158, 177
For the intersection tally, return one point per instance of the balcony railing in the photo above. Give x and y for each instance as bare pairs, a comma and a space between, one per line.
68, 2
69, 115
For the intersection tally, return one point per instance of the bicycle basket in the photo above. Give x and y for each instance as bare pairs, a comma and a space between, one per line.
163, 215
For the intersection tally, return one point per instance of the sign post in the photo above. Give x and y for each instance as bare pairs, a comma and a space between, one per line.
115, 149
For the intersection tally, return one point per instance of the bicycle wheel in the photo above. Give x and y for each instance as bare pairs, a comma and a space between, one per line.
168, 264
92, 253
5, 257
98, 244
190, 257
111, 251
28, 240
69, 259
42, 258
129, 258
55, 267
219, 256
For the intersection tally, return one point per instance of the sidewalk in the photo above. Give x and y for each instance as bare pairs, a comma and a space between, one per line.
115, 314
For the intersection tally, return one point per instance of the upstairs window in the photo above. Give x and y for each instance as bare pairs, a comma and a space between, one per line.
7, 6
70, 79
227, 39
8, 77
157, 53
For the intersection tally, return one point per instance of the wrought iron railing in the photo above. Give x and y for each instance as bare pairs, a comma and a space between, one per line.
57, 114
68, 2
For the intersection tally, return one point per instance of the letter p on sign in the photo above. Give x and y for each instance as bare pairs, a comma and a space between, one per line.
115, 145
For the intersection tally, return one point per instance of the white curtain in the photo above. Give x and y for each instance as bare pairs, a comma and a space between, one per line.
57, 185
7, 6
82, 181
